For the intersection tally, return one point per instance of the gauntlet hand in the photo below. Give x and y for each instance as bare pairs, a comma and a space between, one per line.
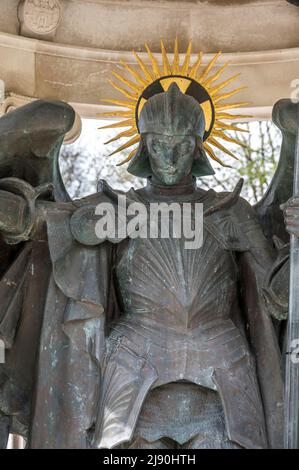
12, 213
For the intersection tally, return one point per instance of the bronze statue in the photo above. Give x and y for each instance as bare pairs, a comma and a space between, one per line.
140, 342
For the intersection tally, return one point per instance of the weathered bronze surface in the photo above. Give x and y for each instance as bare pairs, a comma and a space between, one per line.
131, 342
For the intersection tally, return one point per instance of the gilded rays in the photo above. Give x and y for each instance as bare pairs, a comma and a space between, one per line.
146, 79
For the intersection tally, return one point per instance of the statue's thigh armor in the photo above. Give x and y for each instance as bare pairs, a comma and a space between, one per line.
200, 442
140, 443
181, 415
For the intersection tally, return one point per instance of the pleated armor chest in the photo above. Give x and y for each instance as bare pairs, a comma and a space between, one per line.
177, 324
177, 305
162, 281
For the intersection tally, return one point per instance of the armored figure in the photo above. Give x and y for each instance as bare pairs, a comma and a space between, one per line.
131, 342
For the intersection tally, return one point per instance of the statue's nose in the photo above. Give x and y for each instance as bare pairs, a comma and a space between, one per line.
171, 156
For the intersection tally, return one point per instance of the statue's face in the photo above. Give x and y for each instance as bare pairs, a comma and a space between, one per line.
171, 157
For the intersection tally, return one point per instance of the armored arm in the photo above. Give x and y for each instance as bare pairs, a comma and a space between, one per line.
12, 213
268, 262
261, 304
22, 216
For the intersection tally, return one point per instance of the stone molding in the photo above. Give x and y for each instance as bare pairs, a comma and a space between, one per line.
79, 75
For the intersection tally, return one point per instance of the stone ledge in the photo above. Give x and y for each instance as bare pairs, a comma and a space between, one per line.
79, 75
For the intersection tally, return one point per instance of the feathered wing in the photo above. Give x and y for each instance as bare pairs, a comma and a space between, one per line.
30, 140
285, 117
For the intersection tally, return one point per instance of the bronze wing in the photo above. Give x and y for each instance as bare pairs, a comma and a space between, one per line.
30, 140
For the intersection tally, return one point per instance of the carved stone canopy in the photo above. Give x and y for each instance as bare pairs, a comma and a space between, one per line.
67, 50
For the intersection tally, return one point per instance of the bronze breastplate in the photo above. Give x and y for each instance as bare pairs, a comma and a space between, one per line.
162, 282
177, 306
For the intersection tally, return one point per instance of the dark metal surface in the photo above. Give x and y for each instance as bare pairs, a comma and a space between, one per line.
94, 328
292, 365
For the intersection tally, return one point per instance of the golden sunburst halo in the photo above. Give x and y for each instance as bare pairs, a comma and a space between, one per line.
139, 83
